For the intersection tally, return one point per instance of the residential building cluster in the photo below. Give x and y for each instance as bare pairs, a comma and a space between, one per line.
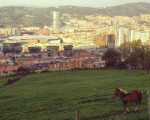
52, 60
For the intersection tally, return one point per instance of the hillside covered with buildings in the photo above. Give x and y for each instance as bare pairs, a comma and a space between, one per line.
68, 37
34, 16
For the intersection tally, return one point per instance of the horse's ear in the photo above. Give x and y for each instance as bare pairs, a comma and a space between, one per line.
117, 88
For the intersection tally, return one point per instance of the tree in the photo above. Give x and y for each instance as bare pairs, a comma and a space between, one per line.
126, 45
131, 60
136, 44
128, 51
143, 57
111, 57
23, 69
131, 46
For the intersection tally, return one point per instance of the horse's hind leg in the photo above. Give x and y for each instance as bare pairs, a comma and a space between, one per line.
140, 101
140, 106
136, 108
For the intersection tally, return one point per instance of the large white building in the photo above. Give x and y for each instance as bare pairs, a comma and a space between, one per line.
120, 36
135, 35
132, 35
144, 36
138, 35
1, 46
56, 22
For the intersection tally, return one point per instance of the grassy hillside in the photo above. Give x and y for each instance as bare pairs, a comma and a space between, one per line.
56, 95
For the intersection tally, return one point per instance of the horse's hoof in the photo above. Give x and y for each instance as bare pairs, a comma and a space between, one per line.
136, 110
124, 113
139, 111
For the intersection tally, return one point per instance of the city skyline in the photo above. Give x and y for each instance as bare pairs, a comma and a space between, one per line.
50, 3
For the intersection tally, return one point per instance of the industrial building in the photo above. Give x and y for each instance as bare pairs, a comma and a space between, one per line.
105, 40
32, 44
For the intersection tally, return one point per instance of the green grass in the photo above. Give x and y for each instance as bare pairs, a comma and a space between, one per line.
4, 79
56, 95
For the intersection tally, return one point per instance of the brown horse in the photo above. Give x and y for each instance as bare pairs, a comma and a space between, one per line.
129, 97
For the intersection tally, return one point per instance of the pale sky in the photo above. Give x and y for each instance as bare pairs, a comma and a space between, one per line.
49, 3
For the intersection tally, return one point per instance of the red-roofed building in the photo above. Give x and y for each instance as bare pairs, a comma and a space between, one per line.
88, 64
8, 69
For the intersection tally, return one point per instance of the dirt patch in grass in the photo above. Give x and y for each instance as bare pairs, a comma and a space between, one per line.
6, 97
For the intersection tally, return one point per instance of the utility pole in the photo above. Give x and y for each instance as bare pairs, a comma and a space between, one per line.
148, 96
77, 117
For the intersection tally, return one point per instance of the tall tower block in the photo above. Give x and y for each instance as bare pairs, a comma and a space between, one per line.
56, 23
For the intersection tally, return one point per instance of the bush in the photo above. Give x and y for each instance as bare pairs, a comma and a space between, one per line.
121, 65
23, 69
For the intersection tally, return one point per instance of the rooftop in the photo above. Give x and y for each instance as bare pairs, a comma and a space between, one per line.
32, 37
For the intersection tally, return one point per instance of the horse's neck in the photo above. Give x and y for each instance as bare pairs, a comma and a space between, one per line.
122, 95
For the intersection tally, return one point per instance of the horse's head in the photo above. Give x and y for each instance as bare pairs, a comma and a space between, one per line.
117, 92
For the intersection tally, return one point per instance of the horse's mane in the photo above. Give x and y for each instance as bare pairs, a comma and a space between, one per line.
121, 90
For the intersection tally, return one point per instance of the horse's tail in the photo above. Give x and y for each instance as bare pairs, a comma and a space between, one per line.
140, 95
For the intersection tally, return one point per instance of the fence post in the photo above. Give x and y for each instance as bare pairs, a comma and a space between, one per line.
148, 105
77, 115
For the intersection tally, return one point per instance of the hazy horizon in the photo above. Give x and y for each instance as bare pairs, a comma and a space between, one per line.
51, 3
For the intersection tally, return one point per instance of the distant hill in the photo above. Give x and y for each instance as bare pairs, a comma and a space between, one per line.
130, 9
27, 16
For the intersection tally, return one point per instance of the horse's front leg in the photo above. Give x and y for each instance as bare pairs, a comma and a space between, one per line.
126, 110
124, 105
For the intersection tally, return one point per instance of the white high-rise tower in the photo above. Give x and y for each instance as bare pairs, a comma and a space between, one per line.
120, 35
56, 22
